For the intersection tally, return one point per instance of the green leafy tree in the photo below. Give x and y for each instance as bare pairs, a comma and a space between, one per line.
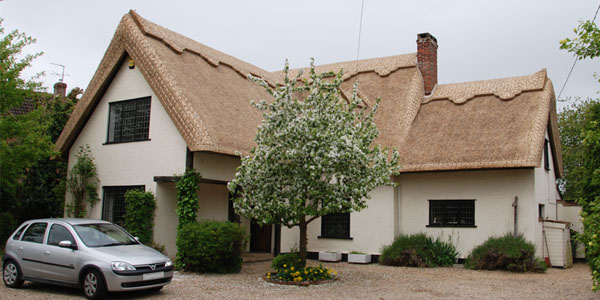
587, 42
590, 185
571, 121
82, 183
42, 193
586, 179
23, 136
314, 156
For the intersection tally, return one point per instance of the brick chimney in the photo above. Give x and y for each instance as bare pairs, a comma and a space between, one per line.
427, 60
60, 89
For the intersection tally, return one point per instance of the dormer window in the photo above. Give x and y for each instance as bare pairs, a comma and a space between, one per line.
129, 121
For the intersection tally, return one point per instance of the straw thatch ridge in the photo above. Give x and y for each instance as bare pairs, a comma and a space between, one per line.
499, 123
504, 88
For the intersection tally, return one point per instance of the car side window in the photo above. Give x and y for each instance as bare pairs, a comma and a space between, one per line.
59, 233
35, 233
18, 234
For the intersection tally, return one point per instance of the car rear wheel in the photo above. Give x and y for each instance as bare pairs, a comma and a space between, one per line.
11, 274
93, 285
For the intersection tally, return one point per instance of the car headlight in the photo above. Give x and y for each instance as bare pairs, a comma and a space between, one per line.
121, 266
168, 263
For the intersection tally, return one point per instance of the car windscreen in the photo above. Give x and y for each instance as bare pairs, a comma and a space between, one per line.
103, 235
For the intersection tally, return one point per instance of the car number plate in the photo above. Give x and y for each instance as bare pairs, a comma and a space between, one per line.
150, 276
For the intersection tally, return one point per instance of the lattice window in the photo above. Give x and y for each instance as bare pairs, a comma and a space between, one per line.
335, 225
129, 120
113, 206
452, 213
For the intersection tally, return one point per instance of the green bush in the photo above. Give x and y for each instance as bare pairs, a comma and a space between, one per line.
418, 250
211, 246
511, 253
8, 224
139, 215
287, 260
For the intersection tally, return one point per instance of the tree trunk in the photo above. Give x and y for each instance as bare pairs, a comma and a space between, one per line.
303, 239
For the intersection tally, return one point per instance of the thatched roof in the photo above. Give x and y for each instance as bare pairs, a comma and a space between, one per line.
487, 124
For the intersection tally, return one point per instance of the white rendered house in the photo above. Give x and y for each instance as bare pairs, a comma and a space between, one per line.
478, 158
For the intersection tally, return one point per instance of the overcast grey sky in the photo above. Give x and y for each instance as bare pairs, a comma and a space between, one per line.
477, 39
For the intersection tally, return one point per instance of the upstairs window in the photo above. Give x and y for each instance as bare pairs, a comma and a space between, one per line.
335, 226
129, 120
451, 213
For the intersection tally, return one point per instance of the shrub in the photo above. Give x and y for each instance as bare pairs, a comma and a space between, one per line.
418, 250
511, 253
287, 260
211, 246
139, 215
187, 188
8, 224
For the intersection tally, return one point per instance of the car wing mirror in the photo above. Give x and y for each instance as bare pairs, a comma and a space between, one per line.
137, 239
67, 244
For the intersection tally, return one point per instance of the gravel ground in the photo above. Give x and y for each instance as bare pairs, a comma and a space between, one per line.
355, 282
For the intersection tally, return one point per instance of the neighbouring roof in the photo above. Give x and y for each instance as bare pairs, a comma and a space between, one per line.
497, 123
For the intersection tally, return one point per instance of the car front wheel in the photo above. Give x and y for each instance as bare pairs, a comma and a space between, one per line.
11, 274
93, 285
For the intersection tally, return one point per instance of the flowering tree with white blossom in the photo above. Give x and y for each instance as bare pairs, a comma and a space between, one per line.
314, 154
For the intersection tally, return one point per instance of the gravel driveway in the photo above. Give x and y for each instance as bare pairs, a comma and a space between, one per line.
356, 282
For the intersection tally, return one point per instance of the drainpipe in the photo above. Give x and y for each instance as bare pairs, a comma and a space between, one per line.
514, 205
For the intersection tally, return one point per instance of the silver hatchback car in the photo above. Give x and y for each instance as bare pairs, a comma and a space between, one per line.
97, 256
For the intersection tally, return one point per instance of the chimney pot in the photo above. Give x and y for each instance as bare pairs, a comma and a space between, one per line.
60, 89
427, 60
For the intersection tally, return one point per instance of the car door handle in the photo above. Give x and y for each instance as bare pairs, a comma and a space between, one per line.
47, 253
20, 249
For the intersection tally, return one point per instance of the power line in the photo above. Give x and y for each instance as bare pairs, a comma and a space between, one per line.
359, 31
575, 61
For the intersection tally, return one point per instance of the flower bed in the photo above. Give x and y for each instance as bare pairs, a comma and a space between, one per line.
288, 275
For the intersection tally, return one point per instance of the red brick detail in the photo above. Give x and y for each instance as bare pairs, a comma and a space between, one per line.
427, 60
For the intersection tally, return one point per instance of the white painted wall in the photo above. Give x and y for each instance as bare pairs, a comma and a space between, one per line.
135, 163
494, 192
546, 193
213, 202
216, 166
165, 219
369, 229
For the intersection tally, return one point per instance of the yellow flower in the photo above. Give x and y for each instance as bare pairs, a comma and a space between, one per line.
334, 273
269, 276
305, 273
291, 268
321, 271
284, 265
299, 278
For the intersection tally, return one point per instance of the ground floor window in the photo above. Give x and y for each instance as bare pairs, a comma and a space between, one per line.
113, 203
335, 226
451, 213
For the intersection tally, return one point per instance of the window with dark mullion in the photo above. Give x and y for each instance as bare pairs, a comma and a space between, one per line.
129, 120
113, 204
335, 226
451, 213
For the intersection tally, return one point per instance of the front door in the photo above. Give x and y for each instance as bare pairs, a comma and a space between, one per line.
260, 238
